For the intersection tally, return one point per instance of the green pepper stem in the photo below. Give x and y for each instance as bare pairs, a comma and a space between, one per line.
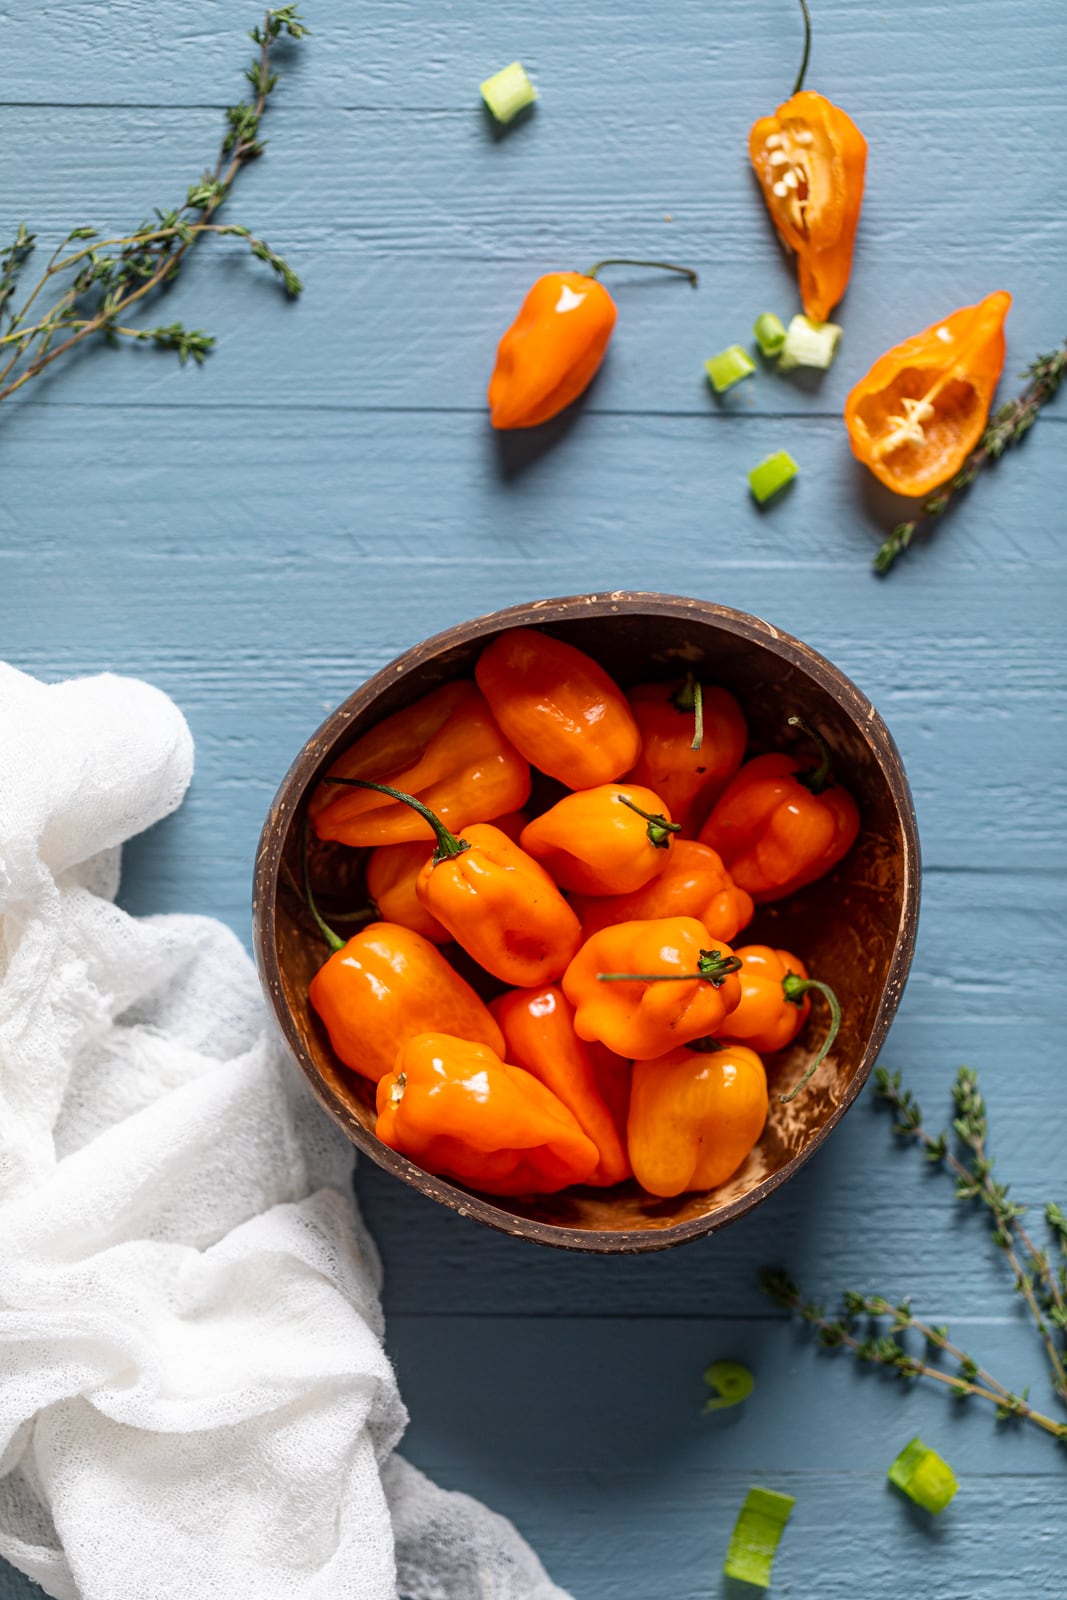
327, 932
713, 967
795, 989
659, 829
448, 846
628, 261
690, 697
807, 48
822, 776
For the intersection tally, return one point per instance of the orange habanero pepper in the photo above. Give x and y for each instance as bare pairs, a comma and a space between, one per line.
385, 985
538, 1029
921, 409
810, 159
694, 1117
558, 707
641, 988
392, 872
551, 352
692, 742
780, 824
608, 840
447, 749
460, 1111
775, 1005
694, 883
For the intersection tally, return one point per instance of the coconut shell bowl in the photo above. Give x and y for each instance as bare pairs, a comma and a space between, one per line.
855, 928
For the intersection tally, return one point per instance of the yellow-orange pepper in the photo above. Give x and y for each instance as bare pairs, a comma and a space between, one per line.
642, 988
608, 840
921, 409
460, 1111
538, 1029
392, 872
447, 749
559, 708
694, 883
694, 1117
781, 824
775, 1004
692, 742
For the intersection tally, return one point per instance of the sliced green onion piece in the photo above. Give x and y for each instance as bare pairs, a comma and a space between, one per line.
756, 1534
729, 367
772, 474
508, 92
809, 344
770, 333
924, 1477
731, 1382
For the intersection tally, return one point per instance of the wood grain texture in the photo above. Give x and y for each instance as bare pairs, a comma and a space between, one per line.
260, 535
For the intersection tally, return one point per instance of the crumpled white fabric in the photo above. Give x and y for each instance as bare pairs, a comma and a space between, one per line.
194, 1396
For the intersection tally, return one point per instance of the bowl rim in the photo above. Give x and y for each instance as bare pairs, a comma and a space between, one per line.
307, 766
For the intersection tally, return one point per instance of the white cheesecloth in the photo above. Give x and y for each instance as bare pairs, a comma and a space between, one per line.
194, 1397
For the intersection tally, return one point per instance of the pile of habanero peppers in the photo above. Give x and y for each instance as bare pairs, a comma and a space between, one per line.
628, 1036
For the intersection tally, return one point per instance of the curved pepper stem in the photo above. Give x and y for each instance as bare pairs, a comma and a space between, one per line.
807, 48
324, 928
659, 829
628, 261
690, 697
448, 846
713, 967
822, 776
795, 989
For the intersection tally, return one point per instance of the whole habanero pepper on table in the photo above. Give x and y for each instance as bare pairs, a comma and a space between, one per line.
810, 159
551, 352
695, 1115
607, 840
692, 742
641, 988
775, 1005
694, 883
921, 409
781, 824
446, 749
558, 707
494, 899
458, 1110
538, 1029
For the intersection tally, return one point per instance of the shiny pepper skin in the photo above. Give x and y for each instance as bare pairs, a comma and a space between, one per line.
552, 350
538, 1029
765, 1018
392, 872
641, 1016
694, 1117
446, 749
694, 883
458, 1110
921, 409
386, 985
594, 842
810, 159
687, 780
558, 708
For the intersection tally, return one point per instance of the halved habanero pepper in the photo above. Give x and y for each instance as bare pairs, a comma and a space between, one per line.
921, 409
538, 1029
446, 749
607, 840
458, 1110
643, 987
559, 708
780, 824
694, 1116
775, 1005
694, 883
692, 742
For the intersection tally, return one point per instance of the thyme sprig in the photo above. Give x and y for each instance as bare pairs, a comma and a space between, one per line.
1006, 427
110, 276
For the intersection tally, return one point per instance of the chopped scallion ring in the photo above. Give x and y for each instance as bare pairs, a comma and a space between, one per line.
729, 367
757, 1531
772, 474
731, 1382
924, 1477
809, 344
508, 92
770, 333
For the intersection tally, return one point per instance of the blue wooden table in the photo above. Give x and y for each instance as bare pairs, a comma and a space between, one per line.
258, 536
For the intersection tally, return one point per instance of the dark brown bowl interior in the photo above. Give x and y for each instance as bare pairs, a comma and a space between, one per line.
854, 928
